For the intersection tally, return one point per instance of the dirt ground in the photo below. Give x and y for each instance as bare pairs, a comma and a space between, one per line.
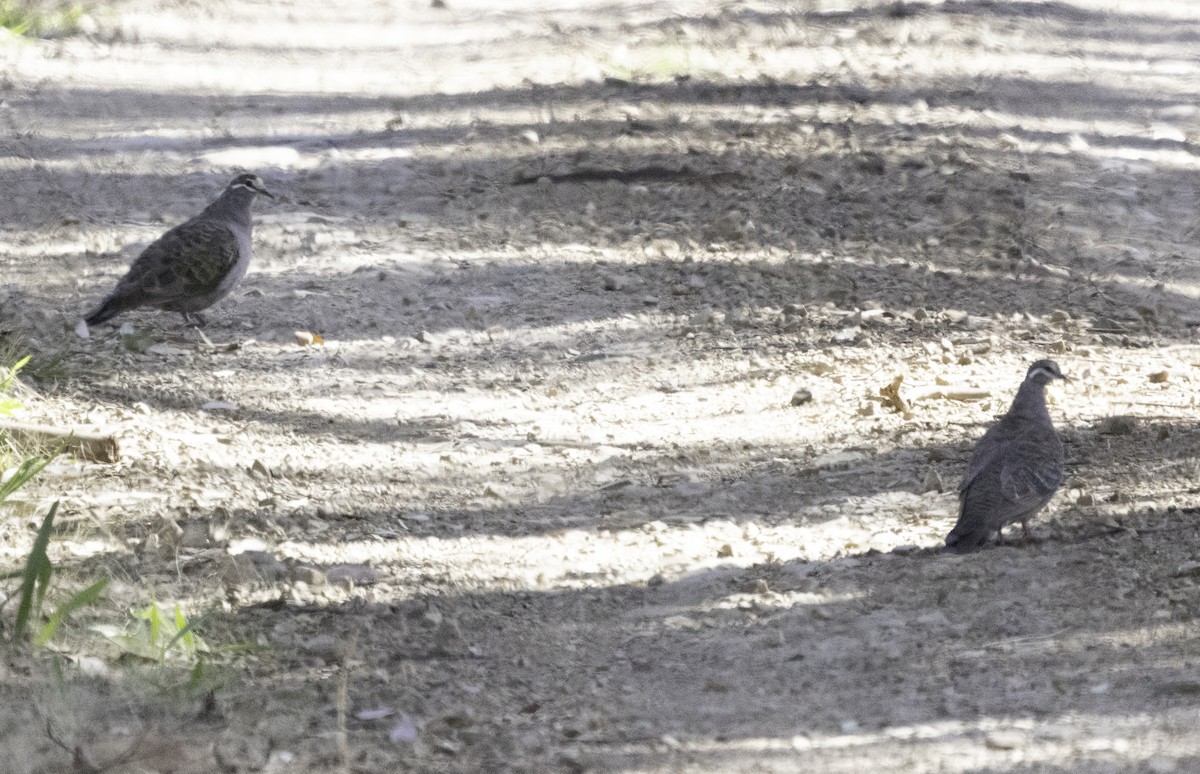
593, 471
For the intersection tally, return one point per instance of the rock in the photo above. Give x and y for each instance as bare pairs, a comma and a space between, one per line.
847, 335
169, 535
260, 470
692, 488
265, 566
1120, 425
194, 534
681, 622
801, 396
954, 316
302, 573
324, 645
937, 619
1158, 377
448, 638
1187, 569
353, 574
1004, 740
840, 459
404, 730
238, 751
932, 482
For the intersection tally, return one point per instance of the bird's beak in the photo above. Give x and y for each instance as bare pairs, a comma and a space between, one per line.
266, 193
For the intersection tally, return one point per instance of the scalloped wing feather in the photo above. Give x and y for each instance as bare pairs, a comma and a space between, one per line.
189, 260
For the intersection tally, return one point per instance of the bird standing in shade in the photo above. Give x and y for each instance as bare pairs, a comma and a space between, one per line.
1016, 468
193, 265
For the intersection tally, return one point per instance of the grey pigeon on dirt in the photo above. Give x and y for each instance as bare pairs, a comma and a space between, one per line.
1016, 468
193, 265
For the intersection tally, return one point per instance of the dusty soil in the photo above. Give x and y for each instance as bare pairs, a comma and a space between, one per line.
542, 501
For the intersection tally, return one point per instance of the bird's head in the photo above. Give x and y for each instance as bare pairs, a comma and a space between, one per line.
249, 182
1043, 372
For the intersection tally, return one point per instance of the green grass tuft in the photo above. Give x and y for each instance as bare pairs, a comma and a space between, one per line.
39, 19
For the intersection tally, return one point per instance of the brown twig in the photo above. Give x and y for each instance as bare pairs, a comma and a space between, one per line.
87, 445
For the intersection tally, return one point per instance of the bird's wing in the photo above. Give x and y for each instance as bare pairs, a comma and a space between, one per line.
1032, 471
989, 449
189, 260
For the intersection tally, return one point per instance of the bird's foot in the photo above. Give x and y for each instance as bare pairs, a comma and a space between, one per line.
1027, 536
194, 319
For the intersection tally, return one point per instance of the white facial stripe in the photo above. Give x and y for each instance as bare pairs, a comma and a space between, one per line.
1045, 371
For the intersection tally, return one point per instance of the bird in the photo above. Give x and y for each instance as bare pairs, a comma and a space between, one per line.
192, 266
1015, 469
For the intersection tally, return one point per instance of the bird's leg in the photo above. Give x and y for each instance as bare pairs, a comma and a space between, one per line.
1027, 538
1000, 537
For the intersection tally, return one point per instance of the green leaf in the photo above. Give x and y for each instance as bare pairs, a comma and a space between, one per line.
37, 570
86, 597
191, 640
196, 678
24, 473
7, 379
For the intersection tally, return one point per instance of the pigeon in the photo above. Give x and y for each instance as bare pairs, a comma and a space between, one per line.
1016, 468
192, 266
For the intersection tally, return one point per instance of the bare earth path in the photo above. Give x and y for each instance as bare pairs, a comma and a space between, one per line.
542, 500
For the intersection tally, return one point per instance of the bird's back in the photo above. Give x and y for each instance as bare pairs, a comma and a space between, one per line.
1013, 473
188, 268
